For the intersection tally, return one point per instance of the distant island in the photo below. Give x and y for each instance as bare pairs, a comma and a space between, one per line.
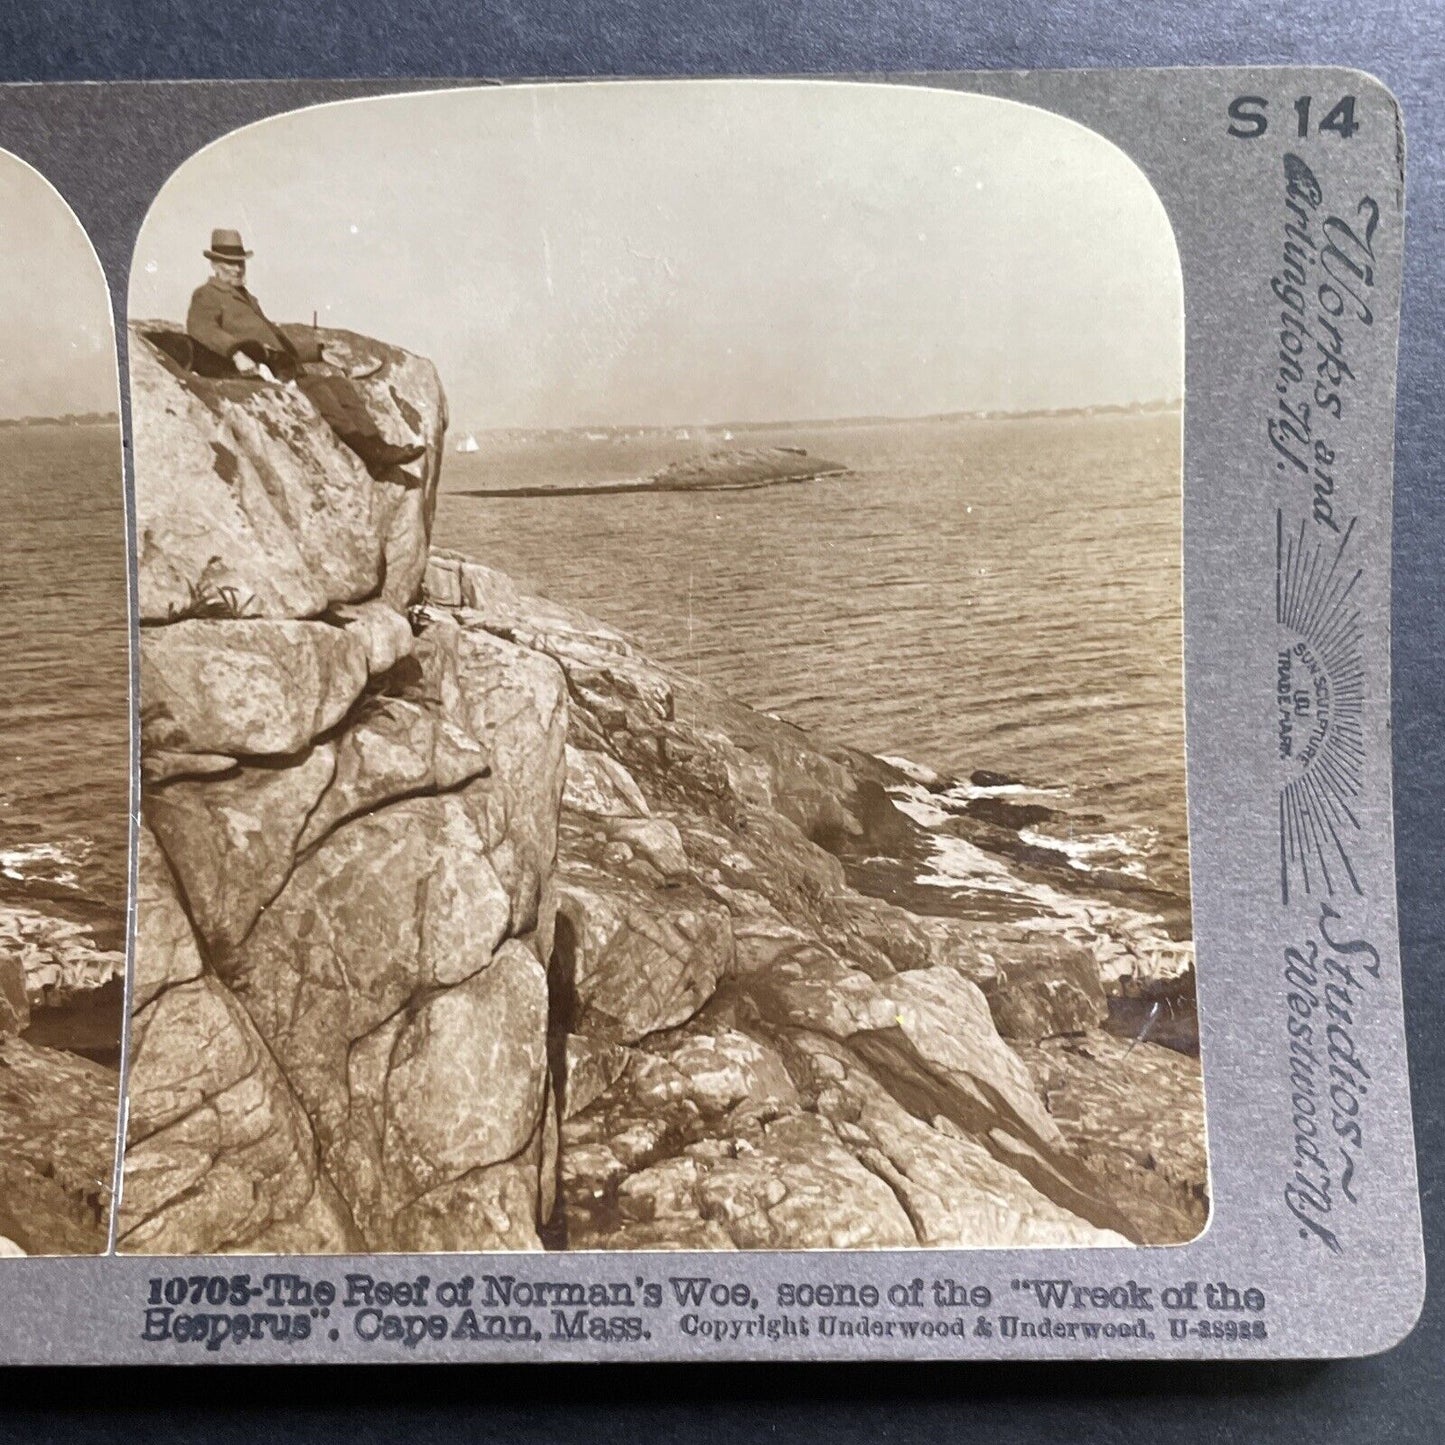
69, 418
732, 470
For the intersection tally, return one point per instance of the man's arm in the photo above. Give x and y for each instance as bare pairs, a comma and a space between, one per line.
203, 324
302, 341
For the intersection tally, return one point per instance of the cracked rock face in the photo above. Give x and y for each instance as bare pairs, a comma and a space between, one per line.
242, 494
246, 688
751, 1054
57, 1117
464, 926
345, 908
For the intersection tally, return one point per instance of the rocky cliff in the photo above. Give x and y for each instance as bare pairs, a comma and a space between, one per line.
62, 967
463, 925
57, 1109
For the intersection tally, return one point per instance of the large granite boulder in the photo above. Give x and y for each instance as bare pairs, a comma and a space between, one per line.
631, 959
246, 687
58, 1110
246, 501
218, 1152
346, 893
232, 839
1134, 1111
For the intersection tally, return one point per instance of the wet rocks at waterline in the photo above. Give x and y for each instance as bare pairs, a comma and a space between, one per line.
58, 1107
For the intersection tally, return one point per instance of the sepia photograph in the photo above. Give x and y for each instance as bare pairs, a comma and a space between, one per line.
64, 729
661, 689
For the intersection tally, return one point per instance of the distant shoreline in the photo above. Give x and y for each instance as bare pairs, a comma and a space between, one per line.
86, 418
709, 431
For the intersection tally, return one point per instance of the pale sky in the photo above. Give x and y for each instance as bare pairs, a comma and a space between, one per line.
58, 350
670, 252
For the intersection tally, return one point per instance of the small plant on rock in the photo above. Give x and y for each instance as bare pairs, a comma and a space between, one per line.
209, 603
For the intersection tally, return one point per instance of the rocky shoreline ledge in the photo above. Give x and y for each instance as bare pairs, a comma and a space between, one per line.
463, 925
61, 977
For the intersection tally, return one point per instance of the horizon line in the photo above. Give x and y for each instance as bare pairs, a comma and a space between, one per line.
31, 418
870, 418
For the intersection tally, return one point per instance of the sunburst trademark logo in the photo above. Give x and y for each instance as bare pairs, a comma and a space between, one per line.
1302, 695
1319, 703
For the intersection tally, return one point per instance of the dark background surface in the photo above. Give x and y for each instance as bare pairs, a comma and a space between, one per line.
1397, 1397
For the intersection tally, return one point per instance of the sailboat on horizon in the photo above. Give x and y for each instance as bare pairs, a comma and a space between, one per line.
468, 443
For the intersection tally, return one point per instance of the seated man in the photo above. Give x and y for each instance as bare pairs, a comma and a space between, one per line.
232, 334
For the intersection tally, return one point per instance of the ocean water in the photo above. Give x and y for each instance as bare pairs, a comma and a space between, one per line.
998, 595
64, 710
976, 594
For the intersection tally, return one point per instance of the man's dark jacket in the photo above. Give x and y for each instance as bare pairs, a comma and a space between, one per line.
225, 319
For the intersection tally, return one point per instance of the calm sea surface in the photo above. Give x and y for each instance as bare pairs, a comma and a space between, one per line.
976, 594
63, 710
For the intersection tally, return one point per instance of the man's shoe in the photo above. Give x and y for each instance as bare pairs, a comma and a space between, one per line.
381, 455
388, 455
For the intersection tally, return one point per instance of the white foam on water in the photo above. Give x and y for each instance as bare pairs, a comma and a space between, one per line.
1089, 851
919, 804
1127, 943
967, 792
957, 863
960, 792
1126, 854
914, 772
45, 862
